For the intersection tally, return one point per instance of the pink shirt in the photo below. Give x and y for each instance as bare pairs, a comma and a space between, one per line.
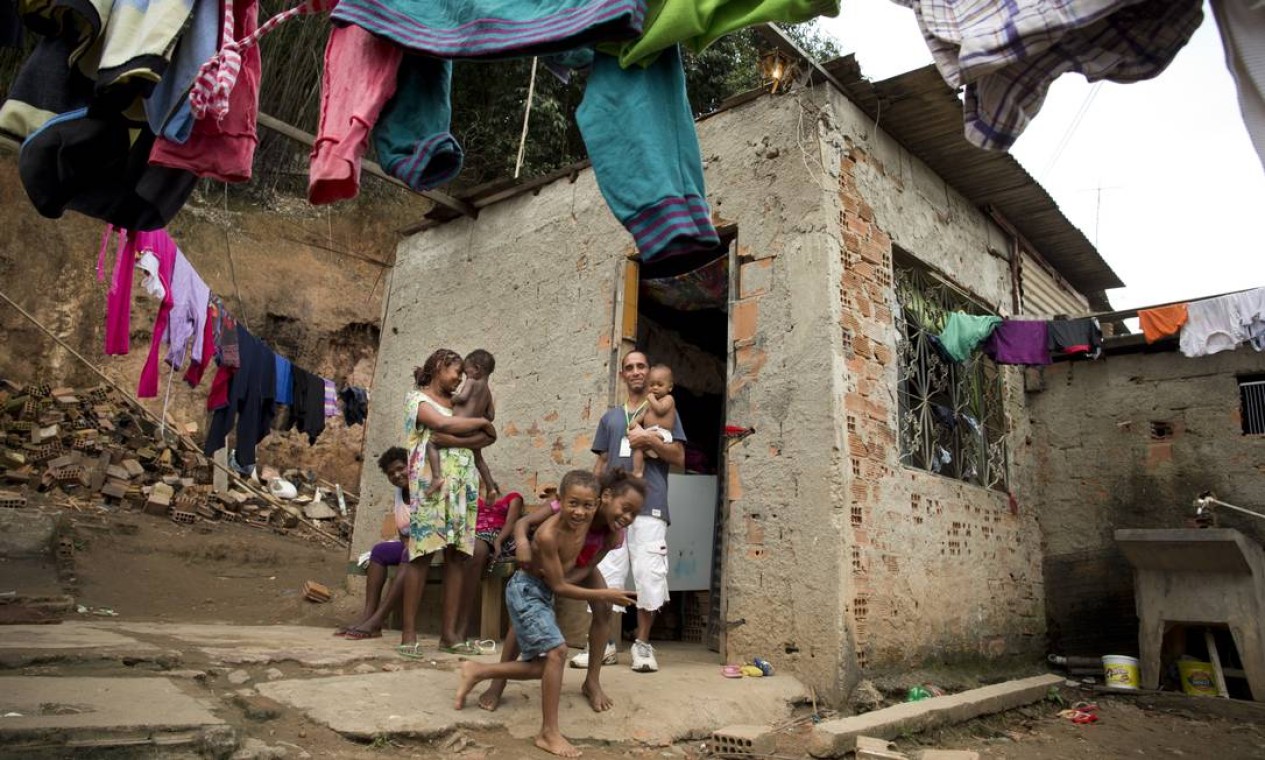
492, 518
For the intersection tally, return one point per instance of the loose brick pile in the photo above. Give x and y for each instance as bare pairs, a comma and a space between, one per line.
93, 446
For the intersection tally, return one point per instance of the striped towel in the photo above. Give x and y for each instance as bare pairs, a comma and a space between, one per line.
331, 398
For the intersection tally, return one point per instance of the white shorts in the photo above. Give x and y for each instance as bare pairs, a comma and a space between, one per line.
646, 550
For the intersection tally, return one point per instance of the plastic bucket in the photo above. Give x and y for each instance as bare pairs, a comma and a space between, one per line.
1197, 678
1121, 672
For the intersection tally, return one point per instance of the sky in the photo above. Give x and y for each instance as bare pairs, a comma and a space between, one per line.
1182, 189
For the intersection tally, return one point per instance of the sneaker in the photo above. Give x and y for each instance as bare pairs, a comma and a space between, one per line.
609, 657
643, 660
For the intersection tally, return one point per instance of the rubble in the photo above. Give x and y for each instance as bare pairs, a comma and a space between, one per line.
82, 447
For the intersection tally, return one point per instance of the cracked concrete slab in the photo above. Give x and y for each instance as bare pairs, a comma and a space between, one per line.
265, 644
24, 644
104, 710
683, 700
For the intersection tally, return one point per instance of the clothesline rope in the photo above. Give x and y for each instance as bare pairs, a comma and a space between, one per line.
236, 478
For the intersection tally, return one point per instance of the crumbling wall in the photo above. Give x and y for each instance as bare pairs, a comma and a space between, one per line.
533, 280
938, 569
298, 276
1129, 441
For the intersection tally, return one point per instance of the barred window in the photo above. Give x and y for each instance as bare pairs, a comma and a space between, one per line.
952, 417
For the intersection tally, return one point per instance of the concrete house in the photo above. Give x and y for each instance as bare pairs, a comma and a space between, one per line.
883, 513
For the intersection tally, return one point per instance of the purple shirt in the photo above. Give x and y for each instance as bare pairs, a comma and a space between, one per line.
189, 296
1019, 342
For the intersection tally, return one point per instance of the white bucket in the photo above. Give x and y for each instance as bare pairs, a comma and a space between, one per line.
1121, 672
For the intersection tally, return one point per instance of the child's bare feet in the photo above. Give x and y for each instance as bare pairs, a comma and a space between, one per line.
639, 473
490, 699
597, 698
435, 487
556, 744
469, 678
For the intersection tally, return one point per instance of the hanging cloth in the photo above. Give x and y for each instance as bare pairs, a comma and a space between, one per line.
964, 332
1162, 322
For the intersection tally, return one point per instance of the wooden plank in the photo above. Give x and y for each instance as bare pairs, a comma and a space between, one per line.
1211, 641
299, 136
632, 289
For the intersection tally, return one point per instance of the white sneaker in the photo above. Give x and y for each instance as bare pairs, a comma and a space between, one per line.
609, 657
643, 660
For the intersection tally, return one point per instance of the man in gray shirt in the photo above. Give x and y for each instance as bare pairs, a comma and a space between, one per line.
645, 547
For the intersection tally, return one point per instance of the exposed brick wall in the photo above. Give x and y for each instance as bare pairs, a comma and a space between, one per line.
939, 569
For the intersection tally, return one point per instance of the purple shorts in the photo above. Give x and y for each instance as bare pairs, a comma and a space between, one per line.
388, 553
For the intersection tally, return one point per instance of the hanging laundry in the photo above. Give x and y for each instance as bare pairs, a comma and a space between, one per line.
1212, 326
307, 413
150, 281
1076, 336
1008, 54
696, 24
964, 332
165, 250
359, 80
285, 390
187, 323
355, 405
331, 398
1020, 342
704, 288
200, 364
1242, 27
223, 148
91, 164
47, 84
167, 108
118, 300
250, 401
412, 138
639, 132
1162, 322
217, 397
1250, 306
493, 29
229, 351
10, 25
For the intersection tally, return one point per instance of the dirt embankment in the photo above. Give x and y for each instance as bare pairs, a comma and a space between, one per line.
309, 281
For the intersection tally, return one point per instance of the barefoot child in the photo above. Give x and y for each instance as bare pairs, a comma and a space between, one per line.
530, 598
474, 399
658, 412
618, 505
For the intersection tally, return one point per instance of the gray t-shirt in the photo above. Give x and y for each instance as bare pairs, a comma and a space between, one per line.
610, 434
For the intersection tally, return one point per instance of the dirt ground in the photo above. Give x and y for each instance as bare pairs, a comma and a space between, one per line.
146, 568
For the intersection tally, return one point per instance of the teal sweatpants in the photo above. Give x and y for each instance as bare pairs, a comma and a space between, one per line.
639, 132
412, 135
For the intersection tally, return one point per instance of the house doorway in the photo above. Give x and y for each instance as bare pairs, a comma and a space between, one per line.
681, 311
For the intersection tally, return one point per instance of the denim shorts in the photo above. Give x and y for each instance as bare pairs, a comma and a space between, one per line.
530, 603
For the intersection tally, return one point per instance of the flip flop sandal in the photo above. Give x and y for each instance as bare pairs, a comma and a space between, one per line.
731, 671
752, 671
356, 634
465, 649
410, 651
342, 631
485, 646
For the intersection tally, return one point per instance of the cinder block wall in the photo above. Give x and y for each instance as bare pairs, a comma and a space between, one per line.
1105, 462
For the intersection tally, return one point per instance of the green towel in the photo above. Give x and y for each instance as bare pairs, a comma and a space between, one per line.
698, 23
963, 332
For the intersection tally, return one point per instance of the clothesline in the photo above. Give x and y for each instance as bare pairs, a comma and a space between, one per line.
235, 477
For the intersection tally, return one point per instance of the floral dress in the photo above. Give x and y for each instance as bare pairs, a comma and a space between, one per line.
448, 518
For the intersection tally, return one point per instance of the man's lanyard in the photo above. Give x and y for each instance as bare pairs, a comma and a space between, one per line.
629, 417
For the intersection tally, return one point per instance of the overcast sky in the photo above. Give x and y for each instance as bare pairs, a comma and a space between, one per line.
1183, 192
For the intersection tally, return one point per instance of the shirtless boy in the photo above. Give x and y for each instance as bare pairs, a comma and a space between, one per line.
530, 598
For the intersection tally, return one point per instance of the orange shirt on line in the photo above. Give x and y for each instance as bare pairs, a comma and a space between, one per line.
1162, 322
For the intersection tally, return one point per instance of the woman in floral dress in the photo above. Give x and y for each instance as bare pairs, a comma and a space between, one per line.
444, 521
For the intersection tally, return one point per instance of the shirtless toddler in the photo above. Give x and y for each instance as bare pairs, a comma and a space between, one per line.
474, 399
658, 411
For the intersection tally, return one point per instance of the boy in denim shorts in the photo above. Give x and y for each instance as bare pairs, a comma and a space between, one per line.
530, 597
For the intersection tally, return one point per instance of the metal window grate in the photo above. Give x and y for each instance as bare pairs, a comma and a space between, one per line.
1252, 400
952, 416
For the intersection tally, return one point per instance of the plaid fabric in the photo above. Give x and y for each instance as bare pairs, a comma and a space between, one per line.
1006, 53
217, 77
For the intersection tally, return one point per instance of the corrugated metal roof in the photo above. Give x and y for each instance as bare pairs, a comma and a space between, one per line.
923, 114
